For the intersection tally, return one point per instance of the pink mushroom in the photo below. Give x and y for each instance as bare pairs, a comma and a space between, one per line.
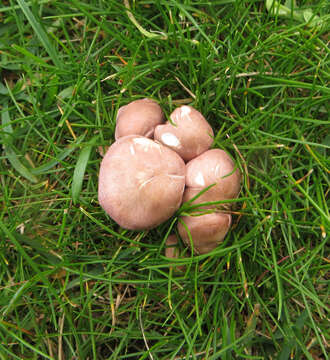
207, 231
141, 182
190, 135
212, 167
139, 117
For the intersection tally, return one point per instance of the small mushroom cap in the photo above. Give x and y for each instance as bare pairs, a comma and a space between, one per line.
141, 182
214, 167
190, 136
207, 230
140, 117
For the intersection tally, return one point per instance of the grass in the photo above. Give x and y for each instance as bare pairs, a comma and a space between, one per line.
74, 285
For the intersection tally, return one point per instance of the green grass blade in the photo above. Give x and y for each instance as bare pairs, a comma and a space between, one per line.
7, 129
191, 18
40, 32
18, 166
16, 296
62, 155
9, 150
25, 343
79, 170
35, 59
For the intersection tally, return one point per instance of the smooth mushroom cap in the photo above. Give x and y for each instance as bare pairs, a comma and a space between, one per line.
214, 167
141, 182
207, 231
190, 135
140, 117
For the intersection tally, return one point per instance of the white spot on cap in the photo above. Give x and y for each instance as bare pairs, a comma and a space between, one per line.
131, 148
146, 144
199, 179
170, 140
185, 110
176, 177
142, 141
142, 176
145, 182
217, 171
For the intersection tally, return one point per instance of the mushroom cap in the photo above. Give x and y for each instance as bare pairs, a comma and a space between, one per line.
139, 117
190, 135
141, 182
214, 167
207, 230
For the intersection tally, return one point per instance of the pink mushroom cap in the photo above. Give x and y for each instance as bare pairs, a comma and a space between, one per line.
207, 231
141, 182
190, 135
139, 117
212, 167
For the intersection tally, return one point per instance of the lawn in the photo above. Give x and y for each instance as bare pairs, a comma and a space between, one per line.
73, 284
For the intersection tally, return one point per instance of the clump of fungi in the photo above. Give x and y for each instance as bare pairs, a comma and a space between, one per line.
153, 167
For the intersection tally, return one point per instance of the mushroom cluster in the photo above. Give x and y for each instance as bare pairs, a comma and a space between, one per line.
153, 167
